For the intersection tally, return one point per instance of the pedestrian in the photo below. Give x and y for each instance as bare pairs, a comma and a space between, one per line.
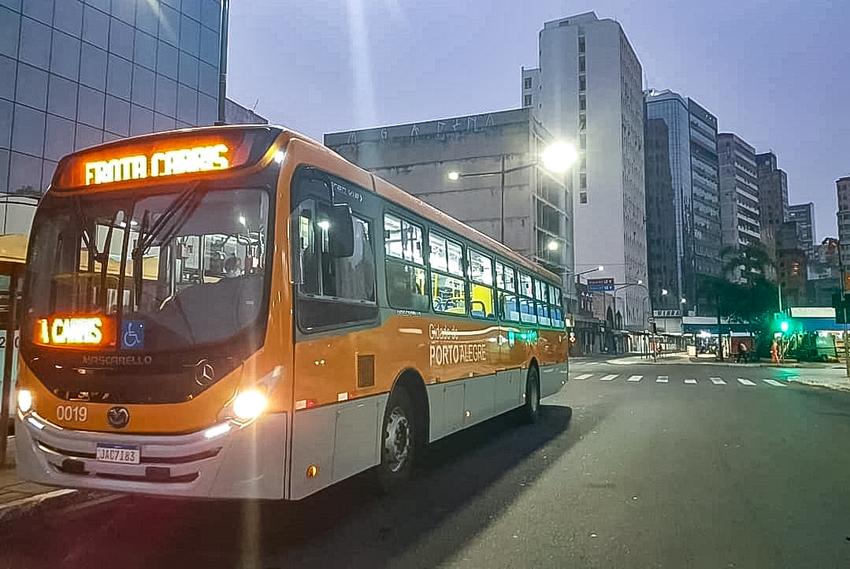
742, 352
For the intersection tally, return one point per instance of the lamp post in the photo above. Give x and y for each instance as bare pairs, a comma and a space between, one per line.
222, 60
556, 158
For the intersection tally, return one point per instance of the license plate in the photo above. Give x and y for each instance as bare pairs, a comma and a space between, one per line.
122, 454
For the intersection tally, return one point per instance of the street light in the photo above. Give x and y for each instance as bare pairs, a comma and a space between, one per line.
552, 245
663, 292
683, 301
555, 158
559, 156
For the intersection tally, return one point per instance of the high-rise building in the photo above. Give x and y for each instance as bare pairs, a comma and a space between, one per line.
804, 215
705, 181
77, 73
773, 196
589, 92
682, 198
842, 186
531, 213
739, 192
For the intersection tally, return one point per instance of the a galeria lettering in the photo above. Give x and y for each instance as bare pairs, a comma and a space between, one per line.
164, 163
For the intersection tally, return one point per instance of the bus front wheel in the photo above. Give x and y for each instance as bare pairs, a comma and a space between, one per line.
531, 409
398, 441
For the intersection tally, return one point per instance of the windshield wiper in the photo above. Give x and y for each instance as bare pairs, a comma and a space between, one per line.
175, 211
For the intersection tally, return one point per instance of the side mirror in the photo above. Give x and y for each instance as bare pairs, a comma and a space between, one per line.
340, 230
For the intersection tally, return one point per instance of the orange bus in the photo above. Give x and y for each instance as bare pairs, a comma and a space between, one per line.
238, 312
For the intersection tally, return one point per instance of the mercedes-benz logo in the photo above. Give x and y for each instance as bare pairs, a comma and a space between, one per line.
118, 417
204, 373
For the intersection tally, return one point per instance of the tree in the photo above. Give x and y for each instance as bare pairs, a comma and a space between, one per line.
746, 264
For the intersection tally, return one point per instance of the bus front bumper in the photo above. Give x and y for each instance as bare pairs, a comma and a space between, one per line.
239, 462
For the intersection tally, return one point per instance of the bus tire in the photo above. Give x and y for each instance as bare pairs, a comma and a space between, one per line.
398, 441
531, 409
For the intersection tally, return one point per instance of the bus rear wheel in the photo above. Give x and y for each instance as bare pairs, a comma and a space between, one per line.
531, 409
398, 441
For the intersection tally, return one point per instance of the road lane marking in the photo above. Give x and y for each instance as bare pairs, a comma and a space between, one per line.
744, 381
584, 376
691, 381
662, 379
717, 380
635, 378
608, 377
774, 383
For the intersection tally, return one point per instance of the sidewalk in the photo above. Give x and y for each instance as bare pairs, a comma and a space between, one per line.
829, 377
20, 499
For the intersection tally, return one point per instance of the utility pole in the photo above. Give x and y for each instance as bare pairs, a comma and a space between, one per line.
844, 310
222, 59
502, 210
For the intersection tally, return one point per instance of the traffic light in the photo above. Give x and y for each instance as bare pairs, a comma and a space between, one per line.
781, 322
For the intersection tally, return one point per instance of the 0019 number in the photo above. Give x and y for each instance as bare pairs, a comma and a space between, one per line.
72, 413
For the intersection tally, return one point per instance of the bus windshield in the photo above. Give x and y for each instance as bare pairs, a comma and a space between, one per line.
156, 272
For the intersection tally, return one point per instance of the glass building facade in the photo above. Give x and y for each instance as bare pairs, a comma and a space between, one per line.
682, 198
74, 73
669, 207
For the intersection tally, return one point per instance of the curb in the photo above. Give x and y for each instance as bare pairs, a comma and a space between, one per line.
56, 499
836, 386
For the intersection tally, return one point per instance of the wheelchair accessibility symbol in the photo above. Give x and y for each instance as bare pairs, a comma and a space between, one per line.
133, 335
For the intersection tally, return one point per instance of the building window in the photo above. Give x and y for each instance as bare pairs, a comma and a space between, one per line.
582, 122
581, 45
582, 197
582, 102
582, 66
582, 83
526, 101
582, 181
526, 83
582, 141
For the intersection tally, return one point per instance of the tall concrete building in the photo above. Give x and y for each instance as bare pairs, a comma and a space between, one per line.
773, 196
533, 213
842, 185
682, 197
76, 73
740, 212
804, 215
587, 89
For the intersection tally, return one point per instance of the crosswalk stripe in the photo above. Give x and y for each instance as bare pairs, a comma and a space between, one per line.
584, 376
662, 379
744, 381
691, 381
635, 378
717, 380
774, 383
608, 377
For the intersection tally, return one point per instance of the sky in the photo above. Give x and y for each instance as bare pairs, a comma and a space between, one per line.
777, 73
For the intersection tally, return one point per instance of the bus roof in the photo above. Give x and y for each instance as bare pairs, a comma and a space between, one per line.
406, 200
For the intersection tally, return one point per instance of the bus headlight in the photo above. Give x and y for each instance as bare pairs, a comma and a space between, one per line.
24, 400
249, 404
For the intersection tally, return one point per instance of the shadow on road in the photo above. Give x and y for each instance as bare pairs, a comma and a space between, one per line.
464, 483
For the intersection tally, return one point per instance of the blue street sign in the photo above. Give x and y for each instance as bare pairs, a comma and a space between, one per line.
601, 285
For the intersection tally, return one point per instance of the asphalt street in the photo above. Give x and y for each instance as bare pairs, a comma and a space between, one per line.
631, 466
